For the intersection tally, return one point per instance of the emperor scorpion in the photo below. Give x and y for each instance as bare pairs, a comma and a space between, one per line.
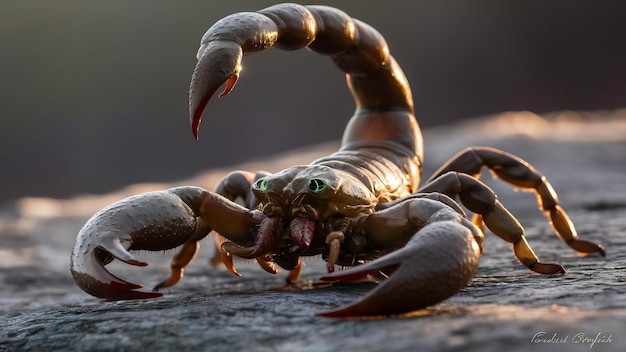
360, 207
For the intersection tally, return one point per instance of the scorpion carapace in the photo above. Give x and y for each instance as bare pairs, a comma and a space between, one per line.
361, 207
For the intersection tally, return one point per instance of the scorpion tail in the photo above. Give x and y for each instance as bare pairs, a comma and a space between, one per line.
219, 62
379, 87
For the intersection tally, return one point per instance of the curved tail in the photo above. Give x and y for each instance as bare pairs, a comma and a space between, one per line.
384, 106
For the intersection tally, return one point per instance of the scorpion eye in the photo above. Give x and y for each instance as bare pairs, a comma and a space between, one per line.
316, 185
261, 185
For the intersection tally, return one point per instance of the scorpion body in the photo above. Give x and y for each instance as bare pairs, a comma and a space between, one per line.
361, 207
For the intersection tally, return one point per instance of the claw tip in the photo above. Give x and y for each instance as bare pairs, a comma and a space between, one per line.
135, 262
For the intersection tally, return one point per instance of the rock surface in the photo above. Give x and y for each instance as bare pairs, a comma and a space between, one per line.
506, 307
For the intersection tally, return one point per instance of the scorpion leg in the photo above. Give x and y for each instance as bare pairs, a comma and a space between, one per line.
519, 173
440, 258
184, 257
480, 199
238, 185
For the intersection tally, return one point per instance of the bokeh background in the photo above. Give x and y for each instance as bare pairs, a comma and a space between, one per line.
93, 94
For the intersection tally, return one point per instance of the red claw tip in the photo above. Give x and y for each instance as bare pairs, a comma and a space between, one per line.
135, 262
132, 295
124, 286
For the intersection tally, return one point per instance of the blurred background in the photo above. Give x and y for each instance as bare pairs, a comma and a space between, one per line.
93, 94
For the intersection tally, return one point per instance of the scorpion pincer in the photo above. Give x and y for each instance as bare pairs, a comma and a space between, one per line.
360, 207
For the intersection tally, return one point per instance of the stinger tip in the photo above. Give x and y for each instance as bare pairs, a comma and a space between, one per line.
195, 127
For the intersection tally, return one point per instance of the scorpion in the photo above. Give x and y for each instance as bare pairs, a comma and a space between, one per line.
361, 208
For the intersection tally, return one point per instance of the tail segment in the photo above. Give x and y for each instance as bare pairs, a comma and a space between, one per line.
376, 81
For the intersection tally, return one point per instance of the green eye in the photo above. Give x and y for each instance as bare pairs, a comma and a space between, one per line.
316, 185
261, 185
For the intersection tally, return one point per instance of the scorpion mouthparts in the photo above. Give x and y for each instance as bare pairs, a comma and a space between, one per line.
251, 252
294, 249
302, 232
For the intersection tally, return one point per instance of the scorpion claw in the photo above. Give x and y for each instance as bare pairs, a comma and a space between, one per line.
424, 272
132, 224
95, 279
91, 275
113, 246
